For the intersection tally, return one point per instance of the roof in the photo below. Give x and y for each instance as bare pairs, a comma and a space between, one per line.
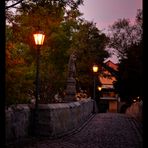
111, 79
112, 65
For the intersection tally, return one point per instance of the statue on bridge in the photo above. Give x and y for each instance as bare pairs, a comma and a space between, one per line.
72, 65
71, 81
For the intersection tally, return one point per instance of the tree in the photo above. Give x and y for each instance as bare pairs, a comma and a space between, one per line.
64, 31
19, 70
123, 34
130, 79
21, 52
89, 43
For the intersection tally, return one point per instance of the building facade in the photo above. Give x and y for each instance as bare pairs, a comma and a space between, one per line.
108, 100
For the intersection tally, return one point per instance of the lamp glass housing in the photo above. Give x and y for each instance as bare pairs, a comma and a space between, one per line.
95, 68
39, 38
99, 88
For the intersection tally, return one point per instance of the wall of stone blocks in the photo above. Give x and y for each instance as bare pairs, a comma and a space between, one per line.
57, 119
17, 121
53, 119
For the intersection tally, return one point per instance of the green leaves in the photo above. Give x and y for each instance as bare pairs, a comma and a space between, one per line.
65, 32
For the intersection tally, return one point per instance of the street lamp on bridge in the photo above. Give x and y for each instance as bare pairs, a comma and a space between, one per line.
39, 40
95, 70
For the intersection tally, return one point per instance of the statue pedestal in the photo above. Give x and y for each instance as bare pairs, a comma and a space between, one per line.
70, 90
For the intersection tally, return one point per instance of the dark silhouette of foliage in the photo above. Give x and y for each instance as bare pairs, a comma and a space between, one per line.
129, 82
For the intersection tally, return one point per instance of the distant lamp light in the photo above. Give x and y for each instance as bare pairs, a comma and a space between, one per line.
99, 88
95, 68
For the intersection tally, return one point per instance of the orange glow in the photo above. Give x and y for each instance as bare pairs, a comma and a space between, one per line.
39, 38
95, 68
99, 88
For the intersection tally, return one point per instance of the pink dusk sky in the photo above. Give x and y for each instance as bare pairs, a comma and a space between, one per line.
106, 12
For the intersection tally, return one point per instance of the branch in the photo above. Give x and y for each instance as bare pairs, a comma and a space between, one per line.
111, 70
7, 7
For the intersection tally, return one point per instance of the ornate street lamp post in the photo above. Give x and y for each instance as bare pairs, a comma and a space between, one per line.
39, 40
95, 70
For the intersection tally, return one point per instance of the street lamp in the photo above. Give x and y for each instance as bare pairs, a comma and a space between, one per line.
39, 40
98, 96
95, 70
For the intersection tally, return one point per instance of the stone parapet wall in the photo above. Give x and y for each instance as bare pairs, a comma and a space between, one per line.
17, 121
135, 110
57, 119
53, 119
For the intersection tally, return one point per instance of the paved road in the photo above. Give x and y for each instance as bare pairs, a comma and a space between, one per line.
104, 130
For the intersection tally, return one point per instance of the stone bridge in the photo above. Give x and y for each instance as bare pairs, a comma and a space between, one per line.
103, 130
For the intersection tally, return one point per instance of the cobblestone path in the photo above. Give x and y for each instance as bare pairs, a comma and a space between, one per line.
104, 130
